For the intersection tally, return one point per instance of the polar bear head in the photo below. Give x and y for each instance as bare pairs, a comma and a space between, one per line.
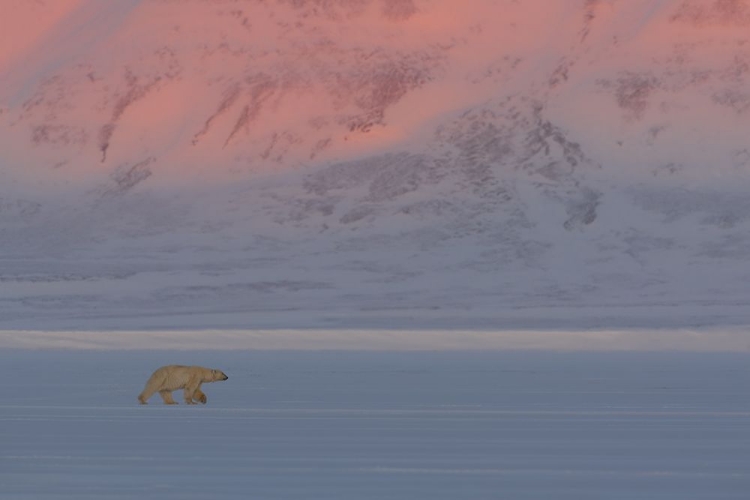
218, 375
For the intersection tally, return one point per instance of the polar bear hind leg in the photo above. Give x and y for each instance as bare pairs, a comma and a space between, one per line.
166, 396
153, 385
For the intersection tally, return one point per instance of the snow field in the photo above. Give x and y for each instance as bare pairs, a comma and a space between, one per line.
361, 425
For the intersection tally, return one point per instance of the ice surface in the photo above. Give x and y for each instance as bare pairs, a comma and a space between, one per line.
373, 425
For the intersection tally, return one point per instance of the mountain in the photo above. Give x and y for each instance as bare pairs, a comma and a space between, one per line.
483, 164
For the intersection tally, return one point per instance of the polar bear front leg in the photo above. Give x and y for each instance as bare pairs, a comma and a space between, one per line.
188, 397
199, 396
167, 397
192, 389
188, 394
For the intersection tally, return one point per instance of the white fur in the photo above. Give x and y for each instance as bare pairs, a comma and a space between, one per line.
174, 377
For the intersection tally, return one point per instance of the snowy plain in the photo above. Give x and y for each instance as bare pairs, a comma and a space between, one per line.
374, 424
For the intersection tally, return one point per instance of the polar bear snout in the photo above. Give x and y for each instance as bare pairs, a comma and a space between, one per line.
225, 377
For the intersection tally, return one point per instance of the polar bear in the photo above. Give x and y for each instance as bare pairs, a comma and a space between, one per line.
173, 377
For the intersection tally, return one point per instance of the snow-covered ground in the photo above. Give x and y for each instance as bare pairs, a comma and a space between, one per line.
372, 425
716, 339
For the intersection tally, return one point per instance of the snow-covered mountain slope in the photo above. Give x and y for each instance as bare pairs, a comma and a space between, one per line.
182, 163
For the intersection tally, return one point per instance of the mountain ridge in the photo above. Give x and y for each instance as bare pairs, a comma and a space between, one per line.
389, 155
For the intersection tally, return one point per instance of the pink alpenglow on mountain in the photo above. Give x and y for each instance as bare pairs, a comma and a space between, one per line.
377, 159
